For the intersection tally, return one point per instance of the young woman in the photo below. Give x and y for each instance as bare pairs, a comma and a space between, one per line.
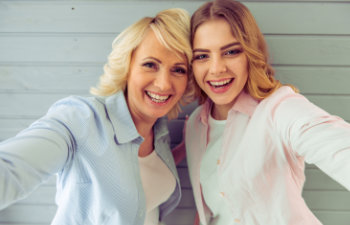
111, 152
247, 141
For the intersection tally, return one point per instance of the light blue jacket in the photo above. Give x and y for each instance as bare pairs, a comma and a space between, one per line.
92, 146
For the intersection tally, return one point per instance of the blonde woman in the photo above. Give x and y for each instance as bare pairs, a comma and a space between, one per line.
247, 141
111, 151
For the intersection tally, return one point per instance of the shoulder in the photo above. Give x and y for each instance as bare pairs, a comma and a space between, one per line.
76, 106
75, 103
286, 101
74, 114
280, 95
283, 99
287, 108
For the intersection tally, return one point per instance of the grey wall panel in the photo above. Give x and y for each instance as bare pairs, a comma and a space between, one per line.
50, 49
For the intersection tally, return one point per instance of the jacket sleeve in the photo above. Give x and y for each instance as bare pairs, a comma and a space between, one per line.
310, 132
31, 157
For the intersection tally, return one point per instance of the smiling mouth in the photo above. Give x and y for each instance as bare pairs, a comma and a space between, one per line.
221, 83
157, 98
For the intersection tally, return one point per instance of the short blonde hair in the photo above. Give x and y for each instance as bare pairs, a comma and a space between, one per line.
172, 28
261, 81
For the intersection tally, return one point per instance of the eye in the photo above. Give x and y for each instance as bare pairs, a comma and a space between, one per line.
233, 51
180, 70
150, 65
200, 57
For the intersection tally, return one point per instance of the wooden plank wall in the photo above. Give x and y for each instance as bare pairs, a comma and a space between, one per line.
51, 49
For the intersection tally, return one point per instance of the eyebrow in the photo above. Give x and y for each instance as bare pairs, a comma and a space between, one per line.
150, 57
222, 48
159, 61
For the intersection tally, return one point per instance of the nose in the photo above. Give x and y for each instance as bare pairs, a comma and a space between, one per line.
217, 66
163, 81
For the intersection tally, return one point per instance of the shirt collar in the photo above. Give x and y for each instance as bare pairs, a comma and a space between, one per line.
244, 103
119, 114
123, 125
160, 128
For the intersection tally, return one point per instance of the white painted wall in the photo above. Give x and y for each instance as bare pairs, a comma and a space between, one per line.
51, 49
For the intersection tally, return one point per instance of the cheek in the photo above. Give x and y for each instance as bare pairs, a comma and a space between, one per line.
242, 69
131, 86
181, 85
196, 67
245, 66
198, 73
243, 77
138, 78
198, 80
134, 86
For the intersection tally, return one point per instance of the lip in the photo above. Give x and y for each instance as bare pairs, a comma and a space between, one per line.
220, 89
157, 98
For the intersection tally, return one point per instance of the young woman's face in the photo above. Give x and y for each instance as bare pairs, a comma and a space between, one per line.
219, 64
157, 79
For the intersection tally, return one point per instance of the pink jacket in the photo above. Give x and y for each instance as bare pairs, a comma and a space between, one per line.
261, 173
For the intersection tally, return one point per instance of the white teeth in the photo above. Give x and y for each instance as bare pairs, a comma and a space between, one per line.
220, 83
158, 98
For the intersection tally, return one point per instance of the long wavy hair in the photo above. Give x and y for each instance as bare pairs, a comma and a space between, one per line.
261, 80
172, 28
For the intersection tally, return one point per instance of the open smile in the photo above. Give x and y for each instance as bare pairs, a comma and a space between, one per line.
220, 83
156, 98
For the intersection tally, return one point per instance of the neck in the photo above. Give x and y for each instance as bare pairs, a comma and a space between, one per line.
145, 129
219, 112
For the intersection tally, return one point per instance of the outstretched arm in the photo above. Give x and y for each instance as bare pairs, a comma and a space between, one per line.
28, 160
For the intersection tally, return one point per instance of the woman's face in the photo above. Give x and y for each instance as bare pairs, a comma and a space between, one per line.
157, 79
219, 64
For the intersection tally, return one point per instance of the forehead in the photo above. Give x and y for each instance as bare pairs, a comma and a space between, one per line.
150, 46
214, 32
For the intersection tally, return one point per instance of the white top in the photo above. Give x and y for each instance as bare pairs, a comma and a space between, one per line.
158, 183
209, 174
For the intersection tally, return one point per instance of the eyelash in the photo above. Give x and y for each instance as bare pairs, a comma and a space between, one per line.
200, 57
151, 65
229, 52
179, 70
233, 52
